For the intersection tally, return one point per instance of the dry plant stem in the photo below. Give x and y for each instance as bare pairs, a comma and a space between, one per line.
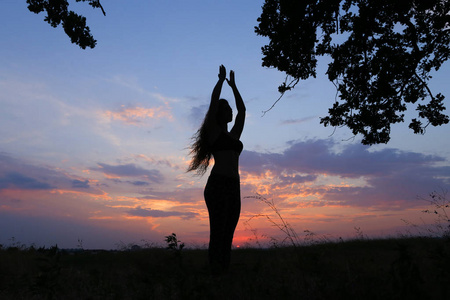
254, 231
440, 205
282, 225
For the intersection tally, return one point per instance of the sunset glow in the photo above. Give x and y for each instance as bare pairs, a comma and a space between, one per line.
94, 143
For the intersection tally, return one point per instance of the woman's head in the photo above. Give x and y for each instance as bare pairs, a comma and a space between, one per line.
224, 112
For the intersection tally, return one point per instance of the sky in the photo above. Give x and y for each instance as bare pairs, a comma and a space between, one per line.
94, 143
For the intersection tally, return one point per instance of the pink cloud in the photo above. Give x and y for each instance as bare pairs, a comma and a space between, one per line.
137, 115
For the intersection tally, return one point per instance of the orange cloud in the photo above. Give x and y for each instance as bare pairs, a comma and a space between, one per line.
136, 115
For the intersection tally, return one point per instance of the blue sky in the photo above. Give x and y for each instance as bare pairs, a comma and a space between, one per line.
93, 142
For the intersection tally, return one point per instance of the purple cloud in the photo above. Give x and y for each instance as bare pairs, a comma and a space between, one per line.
23, 182
141, 212
20, 174
298, 121
130, 170
79, 184
317, 156
297, 179
138, 183
197, 114
392, 177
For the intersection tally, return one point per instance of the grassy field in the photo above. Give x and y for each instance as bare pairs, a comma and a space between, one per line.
409, 268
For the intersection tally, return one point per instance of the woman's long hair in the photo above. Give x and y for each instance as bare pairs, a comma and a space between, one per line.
200, 148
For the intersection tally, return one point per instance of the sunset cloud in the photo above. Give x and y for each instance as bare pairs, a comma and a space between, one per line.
15, 180
319, 156
80, 184
354, 176
129, 170
21, 175
154, 213
160, 162
137, 115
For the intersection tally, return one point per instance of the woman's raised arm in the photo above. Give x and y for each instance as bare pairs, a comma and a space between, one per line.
214, 105
238, 127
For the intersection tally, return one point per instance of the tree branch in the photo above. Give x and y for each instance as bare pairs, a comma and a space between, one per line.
284, 89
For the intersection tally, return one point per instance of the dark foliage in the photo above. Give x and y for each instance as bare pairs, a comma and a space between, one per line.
173, 243
382, 54
74, 25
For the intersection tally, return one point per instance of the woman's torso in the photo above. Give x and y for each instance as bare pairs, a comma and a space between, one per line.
226, 150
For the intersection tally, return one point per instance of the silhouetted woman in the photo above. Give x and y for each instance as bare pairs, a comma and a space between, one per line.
222, 191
